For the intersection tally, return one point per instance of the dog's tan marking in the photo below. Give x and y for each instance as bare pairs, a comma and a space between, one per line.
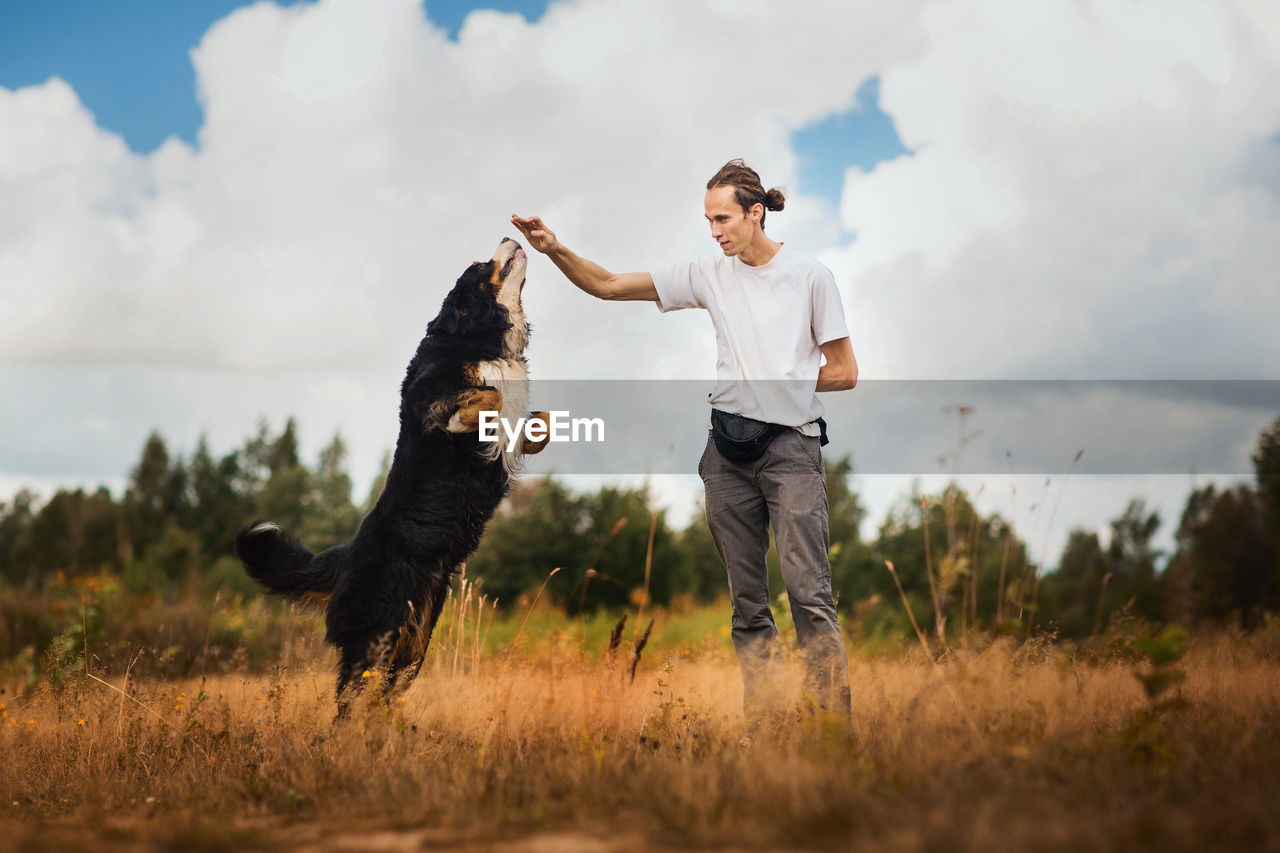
532, 447
471, 403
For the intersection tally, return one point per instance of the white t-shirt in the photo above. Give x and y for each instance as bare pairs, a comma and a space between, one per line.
770, 321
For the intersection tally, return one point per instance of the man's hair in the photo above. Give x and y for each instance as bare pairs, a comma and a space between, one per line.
747, 188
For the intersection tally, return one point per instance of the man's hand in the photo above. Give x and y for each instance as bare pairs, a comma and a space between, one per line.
587, 275
539, 236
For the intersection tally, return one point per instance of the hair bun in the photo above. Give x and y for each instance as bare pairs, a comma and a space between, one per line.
774, 199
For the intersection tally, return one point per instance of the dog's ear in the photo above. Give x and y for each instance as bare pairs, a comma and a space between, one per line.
471, 307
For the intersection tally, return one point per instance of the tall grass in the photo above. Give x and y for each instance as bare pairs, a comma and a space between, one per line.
1001, 745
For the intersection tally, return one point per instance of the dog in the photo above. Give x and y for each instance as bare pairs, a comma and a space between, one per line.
382, 592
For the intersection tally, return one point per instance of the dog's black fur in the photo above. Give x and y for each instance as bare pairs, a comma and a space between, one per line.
385, 588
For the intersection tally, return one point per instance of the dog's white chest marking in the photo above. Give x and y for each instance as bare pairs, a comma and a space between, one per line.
511, 377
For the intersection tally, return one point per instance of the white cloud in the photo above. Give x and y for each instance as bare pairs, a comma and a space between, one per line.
1090, 195
353, 161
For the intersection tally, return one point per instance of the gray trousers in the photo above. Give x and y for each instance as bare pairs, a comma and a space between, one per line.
785, 487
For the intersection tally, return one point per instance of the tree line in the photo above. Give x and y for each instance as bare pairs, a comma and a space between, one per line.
954, 569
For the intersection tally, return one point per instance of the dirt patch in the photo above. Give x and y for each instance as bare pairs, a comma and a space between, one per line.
137, 835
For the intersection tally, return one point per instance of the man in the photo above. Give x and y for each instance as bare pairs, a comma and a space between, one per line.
777, 315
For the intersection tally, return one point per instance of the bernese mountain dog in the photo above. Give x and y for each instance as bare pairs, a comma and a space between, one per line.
382, 592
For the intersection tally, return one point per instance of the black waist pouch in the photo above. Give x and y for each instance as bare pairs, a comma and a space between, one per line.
742, 439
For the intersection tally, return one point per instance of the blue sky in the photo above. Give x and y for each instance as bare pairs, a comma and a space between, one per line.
128, 61
862, 137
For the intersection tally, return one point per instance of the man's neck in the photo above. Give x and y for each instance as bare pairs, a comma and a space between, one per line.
760, 252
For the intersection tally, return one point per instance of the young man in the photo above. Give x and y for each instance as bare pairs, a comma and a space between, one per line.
777, 315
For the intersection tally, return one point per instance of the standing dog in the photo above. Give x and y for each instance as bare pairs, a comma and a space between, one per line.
384, 590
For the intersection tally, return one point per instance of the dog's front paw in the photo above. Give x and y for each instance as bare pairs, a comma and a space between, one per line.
531, 447
471, 403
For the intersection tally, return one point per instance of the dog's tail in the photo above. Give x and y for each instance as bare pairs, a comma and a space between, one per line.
284, 565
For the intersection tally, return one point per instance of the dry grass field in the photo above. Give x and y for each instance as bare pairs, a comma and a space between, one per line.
998, 746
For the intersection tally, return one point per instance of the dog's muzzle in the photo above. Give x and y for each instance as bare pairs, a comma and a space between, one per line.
510, 260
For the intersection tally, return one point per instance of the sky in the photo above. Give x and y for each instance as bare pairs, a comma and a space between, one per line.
1063, 214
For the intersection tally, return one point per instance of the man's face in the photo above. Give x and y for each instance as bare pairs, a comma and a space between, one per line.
731, 226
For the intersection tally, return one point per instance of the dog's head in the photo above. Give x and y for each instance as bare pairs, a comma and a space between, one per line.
486, 299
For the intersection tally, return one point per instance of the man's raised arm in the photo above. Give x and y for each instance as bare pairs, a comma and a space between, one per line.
587, 275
